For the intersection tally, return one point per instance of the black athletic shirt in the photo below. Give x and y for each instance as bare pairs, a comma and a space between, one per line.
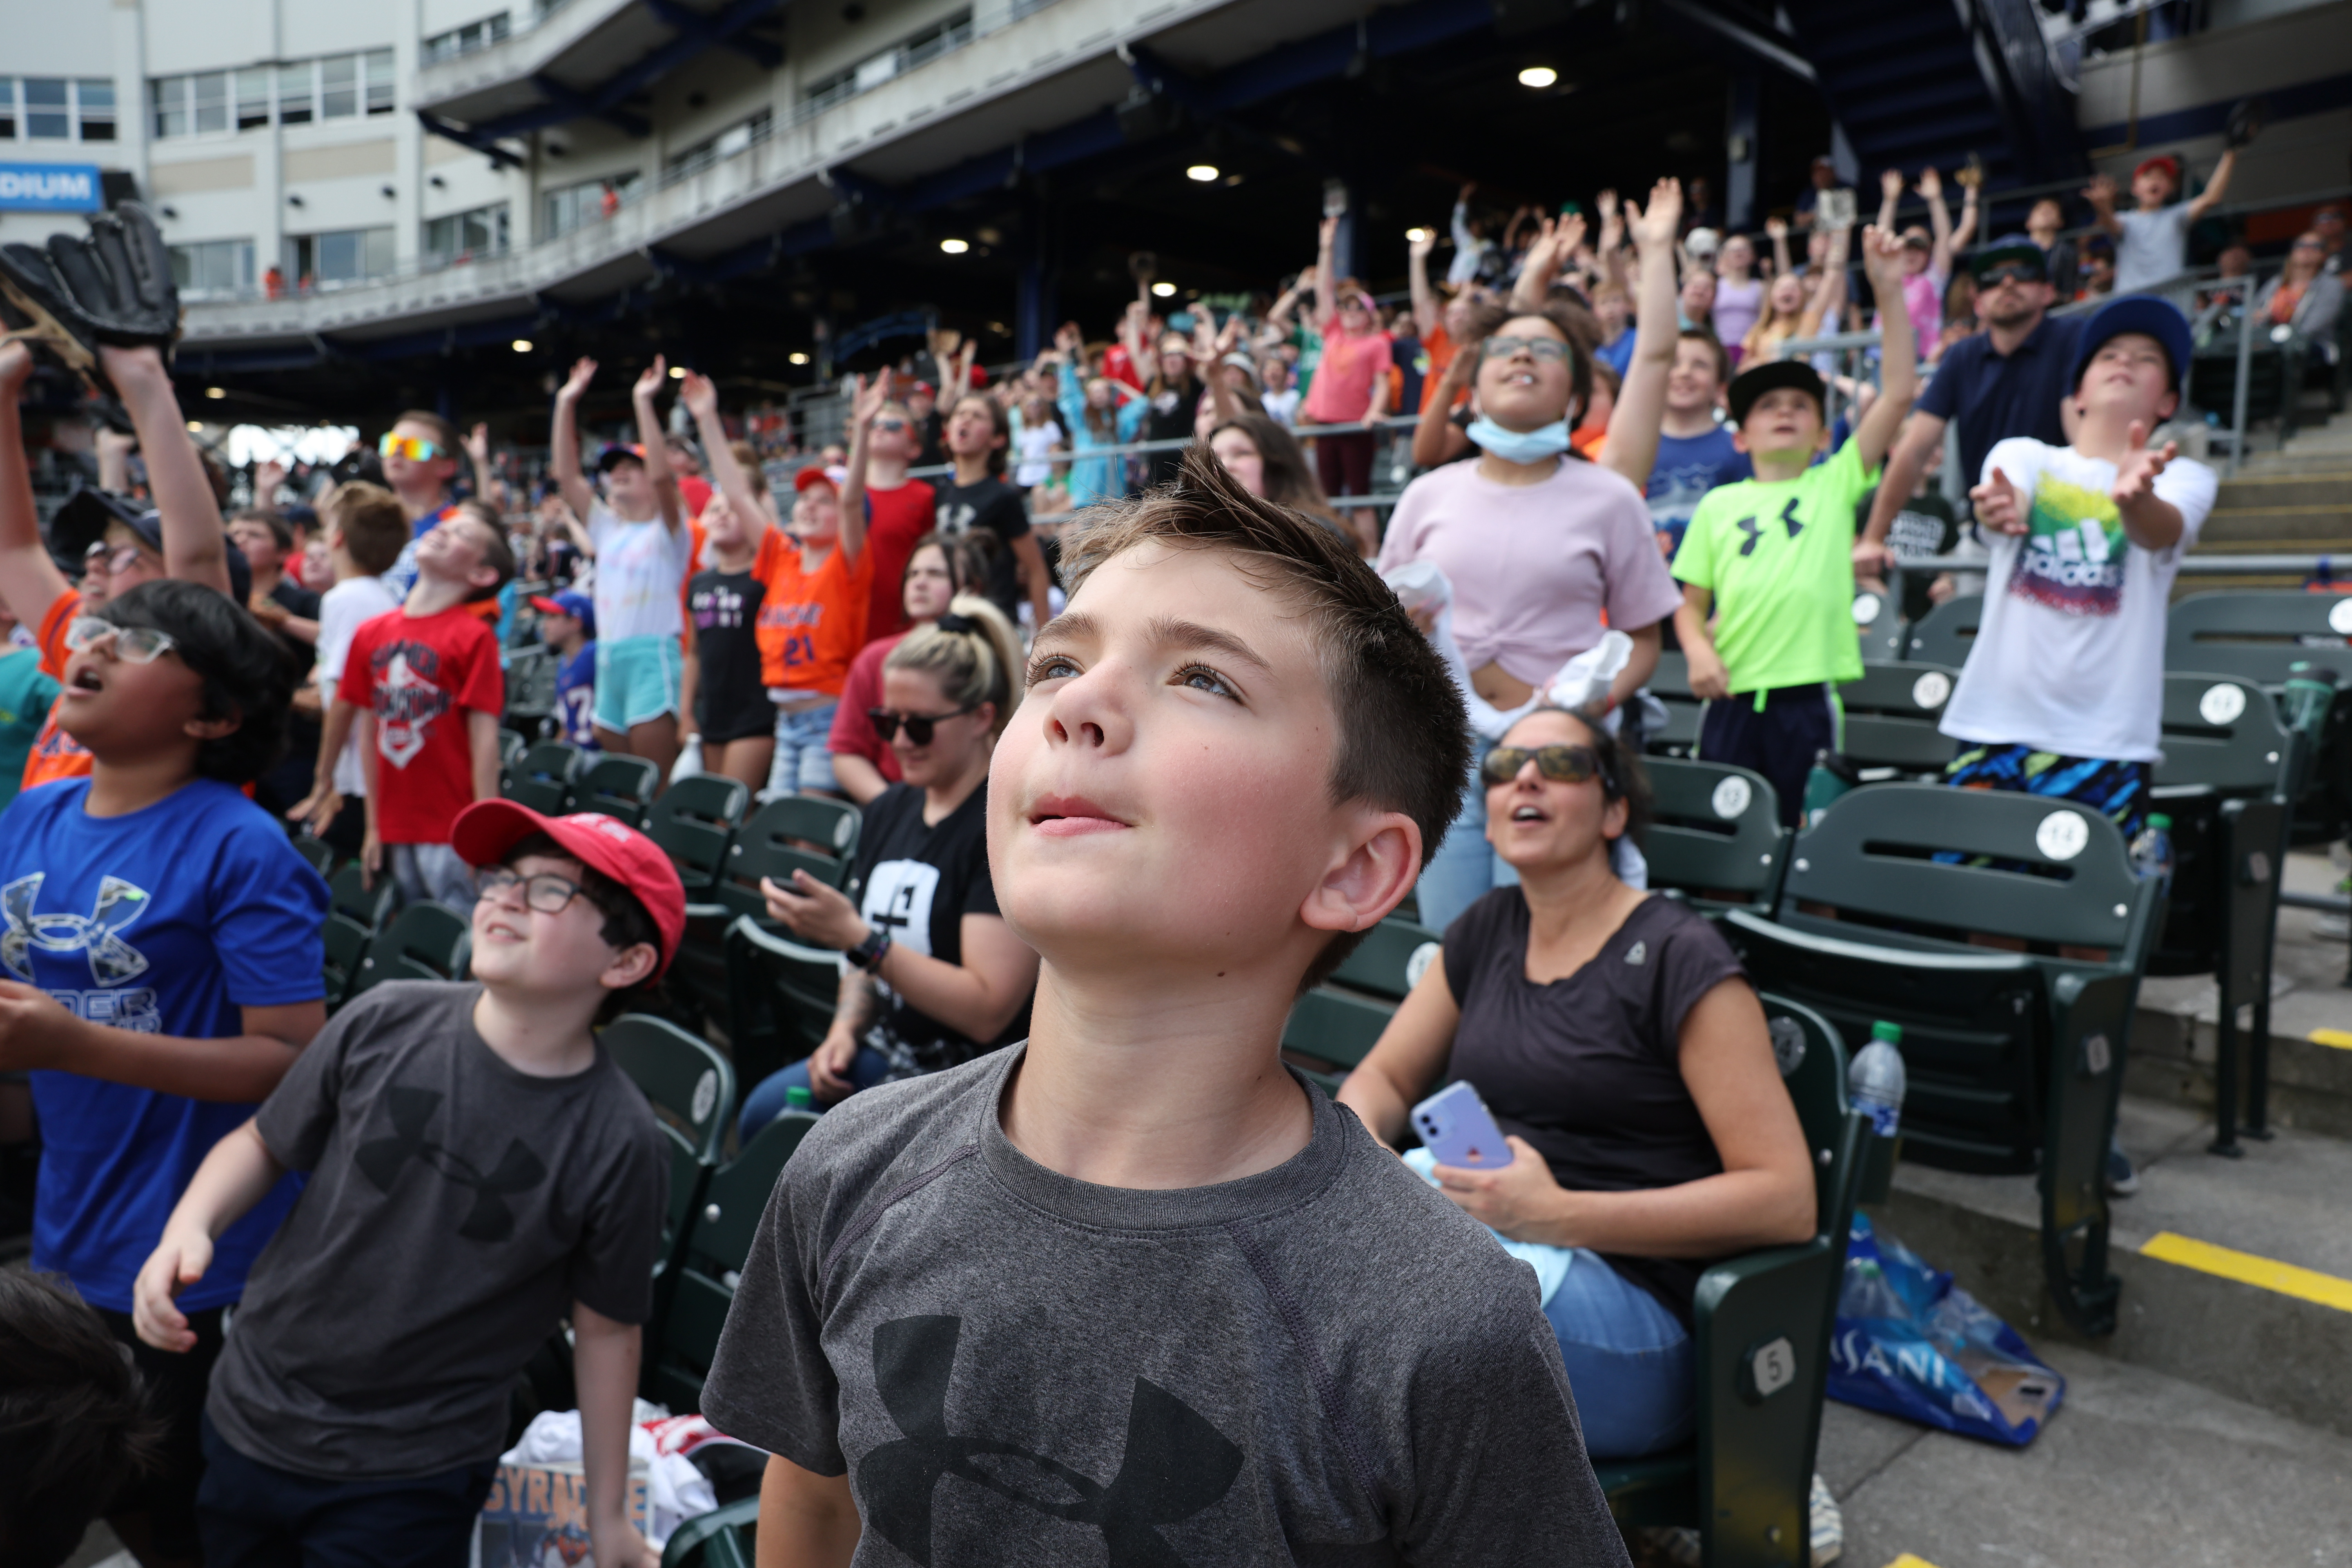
729, 703
990, 510
1588, 1068
917, 882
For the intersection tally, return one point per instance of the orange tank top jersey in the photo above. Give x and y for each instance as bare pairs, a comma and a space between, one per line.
56, 755
812, 624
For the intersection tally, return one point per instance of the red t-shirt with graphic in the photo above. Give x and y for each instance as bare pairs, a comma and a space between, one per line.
894, 521
422, 672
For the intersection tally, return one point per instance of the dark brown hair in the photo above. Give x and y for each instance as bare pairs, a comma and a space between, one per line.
1000, 427
496, 554
1289, 477
1404, 739
1573, 322
1621, 777
445, 434
1714, 344
76, 1423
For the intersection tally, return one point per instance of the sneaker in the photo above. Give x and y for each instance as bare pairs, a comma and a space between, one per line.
1828, 1536
2122, 1180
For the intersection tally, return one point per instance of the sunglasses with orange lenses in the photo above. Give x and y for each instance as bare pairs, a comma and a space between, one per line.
415, 449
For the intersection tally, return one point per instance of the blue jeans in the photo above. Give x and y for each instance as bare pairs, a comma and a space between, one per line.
803, 761
1465, 868
253, 1515
1630, 1362
766, 1100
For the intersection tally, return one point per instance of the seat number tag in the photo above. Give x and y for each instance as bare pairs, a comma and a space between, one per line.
1771, 1367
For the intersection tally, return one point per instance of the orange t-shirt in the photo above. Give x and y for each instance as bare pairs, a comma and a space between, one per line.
56, 755
811, 624
1438, 348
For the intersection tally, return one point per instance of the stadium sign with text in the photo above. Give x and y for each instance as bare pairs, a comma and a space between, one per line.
49, 188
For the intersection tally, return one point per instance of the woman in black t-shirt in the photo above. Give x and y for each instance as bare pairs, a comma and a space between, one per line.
1624, 1055
939, 976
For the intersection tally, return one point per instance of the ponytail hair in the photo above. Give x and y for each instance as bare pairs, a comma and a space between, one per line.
972, 651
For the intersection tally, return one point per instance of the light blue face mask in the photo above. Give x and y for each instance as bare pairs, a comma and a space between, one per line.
1519, 446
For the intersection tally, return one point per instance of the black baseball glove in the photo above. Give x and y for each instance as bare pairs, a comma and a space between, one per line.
2245, 122
113, 288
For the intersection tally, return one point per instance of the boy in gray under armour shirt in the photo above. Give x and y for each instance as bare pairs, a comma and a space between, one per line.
1134, 1291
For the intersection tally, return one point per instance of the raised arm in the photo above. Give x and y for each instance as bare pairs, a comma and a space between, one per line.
1631, 448
2215, 187
649, 436
477, 452
1427, 312
2101, 194
1327, 276
196, 548
865, 401
1776, 230
564, 442
1141, 353
1829, 289
701, 400
1898, 361
29, 581
1553, 244
1890, 192
1612, 252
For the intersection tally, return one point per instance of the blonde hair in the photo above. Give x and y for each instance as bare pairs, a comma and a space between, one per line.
972, 651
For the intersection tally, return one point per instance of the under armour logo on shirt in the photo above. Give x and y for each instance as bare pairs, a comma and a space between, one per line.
1638, 954
1175, 1465
380, 1160
112, 960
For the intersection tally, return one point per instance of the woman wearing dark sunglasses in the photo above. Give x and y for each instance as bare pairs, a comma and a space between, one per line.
936, 976
1624, 1055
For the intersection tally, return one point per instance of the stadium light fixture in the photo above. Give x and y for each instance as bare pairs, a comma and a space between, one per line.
1206, 173
955, 246
797, 358
1164, 290
215, 391
1538, 77
522, 346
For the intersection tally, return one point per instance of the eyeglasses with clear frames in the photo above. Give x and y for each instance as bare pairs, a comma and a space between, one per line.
132, 644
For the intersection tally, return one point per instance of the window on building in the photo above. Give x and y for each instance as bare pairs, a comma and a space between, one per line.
735, 138
167, 106
7, 108
48, 115
252, 98
344, 256
94, 104
465, 237
339, 87
380, 93
297, 92
920, 48
591, 200
211, 92
215, 269
458, 42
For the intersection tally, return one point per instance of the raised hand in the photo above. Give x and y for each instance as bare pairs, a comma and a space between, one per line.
1890, 184
583, 371
700, 393
1882, 256
1327, 234
477, 447
866, 398
1605, 204
1931, 183
1419, 246
2135, 475
2000, 504
2101, 192
1662, 220
1068, 339
1570, 234
649, 381
1775, 228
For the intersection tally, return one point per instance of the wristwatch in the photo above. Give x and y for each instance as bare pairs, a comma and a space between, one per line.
868, 954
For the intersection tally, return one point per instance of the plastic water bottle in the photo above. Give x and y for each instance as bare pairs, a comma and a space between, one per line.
797, 1098
2151, 851
1876, 1082
1834, 774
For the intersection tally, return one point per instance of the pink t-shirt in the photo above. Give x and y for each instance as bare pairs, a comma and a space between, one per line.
1534, 567
1923, 299
1342, 391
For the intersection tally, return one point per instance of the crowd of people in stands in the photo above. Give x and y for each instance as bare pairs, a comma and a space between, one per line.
1141, 738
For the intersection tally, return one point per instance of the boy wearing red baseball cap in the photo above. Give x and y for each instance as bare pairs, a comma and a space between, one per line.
2152, 241
479, 1168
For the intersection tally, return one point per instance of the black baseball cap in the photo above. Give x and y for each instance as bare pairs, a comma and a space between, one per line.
2018, 249
1772, 374
81, 521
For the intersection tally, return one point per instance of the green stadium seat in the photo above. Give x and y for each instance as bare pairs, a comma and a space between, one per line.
1891, 715
2228, 781
1670, 684
317, 854
2015, 1058
347, 944
1334, 1030
1945, 634
1389, 959
1878, 621
780, 837
694, 821
530, 689
511, 746
349, 895
2255, 637
717, 1243
791, 988
619, 787
1761, 1323
1715, 838
425, 942
719, 1539
691, 1089
544, 778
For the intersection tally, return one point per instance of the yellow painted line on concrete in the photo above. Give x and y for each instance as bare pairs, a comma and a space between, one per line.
2264, 1273
1909, 1561
2340, 1038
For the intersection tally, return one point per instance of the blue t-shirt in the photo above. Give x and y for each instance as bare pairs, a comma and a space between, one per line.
1618, 351
575, 696
1994, 397
1686, 468
167, 921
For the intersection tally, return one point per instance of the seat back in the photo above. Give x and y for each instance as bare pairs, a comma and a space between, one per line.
619, 787
2231, 768
346, 943
531, 687
694, 821
689, 1084
317, 854
1670, 684
1813, 1061
718, 1241
796, 832
1878, 621
543, 778
2254, 634
1335, 1030
1389, 959
790, 988
425, 942
511, 746
1945, 634
349, 895
1715, 833
2224, 733
1891, 715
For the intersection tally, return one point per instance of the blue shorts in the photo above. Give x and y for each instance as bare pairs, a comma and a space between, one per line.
1775, 734
803, 759
2116, 790
638, 680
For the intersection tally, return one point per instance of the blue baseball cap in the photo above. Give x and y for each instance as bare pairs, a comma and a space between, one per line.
2147, 314
570, 601
2009, 248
